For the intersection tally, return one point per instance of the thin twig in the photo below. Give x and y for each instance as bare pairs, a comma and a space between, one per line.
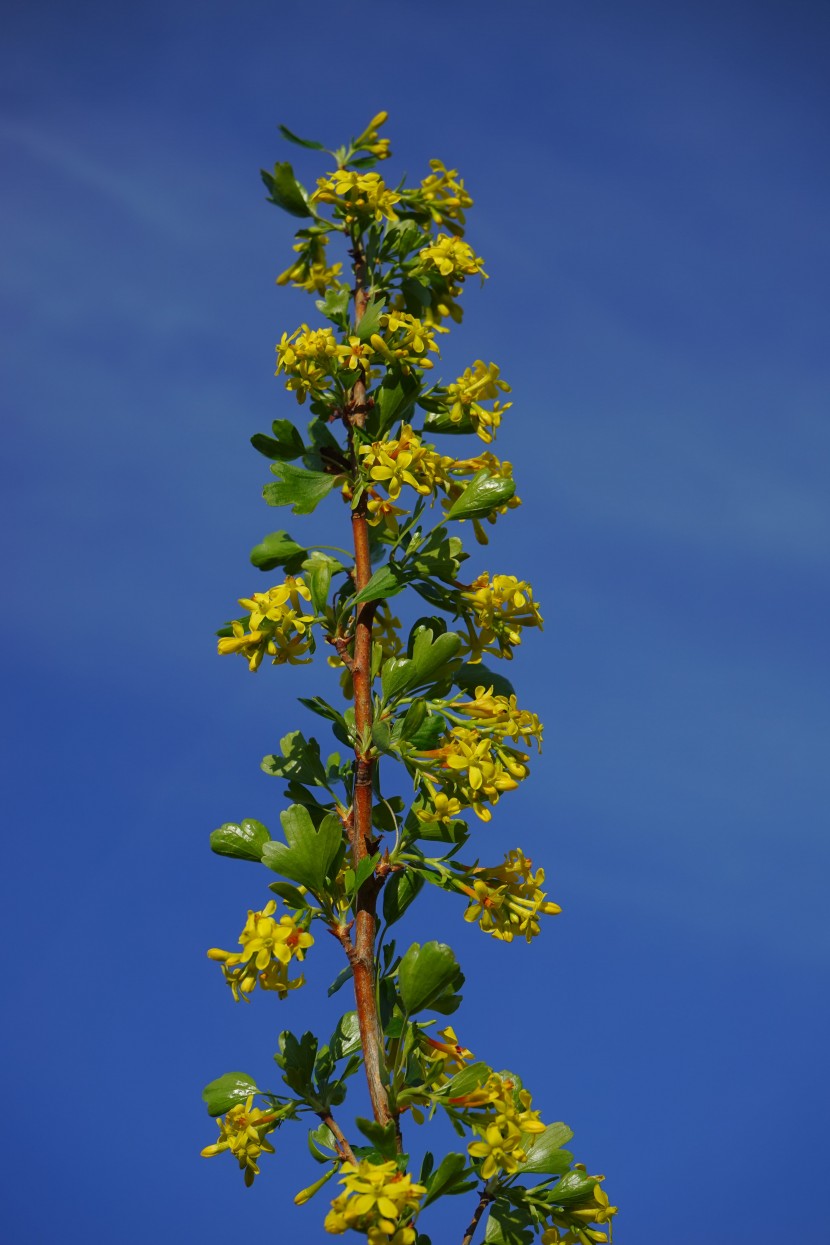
344, 1150
483, 1202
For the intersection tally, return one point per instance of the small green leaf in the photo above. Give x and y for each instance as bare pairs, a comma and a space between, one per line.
285, 191
482, 495
432, 729
346, 1037
285, 443
428, 975
397, 675
573, 1186
412, 719
243, 841
399, 892
381, 1136
278, 549
226, 1091
387, 581
381, 735
451, 1177
302, 490
545, 1155
466, 1081
335, 306
340, 980
370, 320
301, 142
309, 854
394, 401
431, 656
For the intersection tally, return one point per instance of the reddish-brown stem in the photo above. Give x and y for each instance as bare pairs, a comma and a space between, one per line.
362, 952
344, 1150
483, 1202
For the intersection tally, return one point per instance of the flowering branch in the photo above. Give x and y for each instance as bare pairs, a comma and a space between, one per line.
424, 700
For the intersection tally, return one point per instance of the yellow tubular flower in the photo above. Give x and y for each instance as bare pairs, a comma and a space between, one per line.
377, 1197
500, 608
404, 460
508, 900
472, 768
357, 196
310, 272
308, 358
268, 947
243, 1133
504, 1126
449, 1049
501, 716
452, 257
445, 197
278, 627
404, 341
478, 384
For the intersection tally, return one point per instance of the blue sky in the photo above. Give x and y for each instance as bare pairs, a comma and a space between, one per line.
651, 188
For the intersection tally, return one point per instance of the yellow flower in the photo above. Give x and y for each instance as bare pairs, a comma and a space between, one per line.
277, 626
449, 1049
499, 608
377, 1197
504, 1125
445, 197
480, 383
452, 257
308, 358
310, 272
404, 460
369, 140
507, 901
268, 947
358, 197
471, 767
243, 1133
501, 1151
404, 340
501, 716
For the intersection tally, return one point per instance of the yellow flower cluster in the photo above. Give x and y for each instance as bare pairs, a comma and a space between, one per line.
406, 341
508, 900
308, 358
268, 947
310, 272
498, 609
479, 383
243, 1133
471, 770
502, 716
445, 196
403, 460
506, 1121
571, 1225
452, 257
377, 1198
277, 626
360, 197
369, 140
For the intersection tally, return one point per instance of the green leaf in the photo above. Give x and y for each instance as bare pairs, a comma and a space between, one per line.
278, 549
301, 142
467, 1080
546, 1156
335, 306
226, 1091
394, 401
397, 675
428, 975
285, 191
296, 1058
387, 581
324, 710
302, 490
309, 854
472, 675
426, 737
399, 892
300, 761
370, 320
346, 1037
285, 443
381, 735
244, 841
319, 567
412, 719
430, 656
290, 896
452, 1176
382, 1136
340, 980
573, 1186
507, 1226
482, 495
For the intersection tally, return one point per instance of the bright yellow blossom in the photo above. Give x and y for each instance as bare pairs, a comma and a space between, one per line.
310, 272
377, 1198
404, 341
268, 947
502, 716
472, 768
277, 626
508, 900
404, 460
504, 1121
358, 196
447, 1048
243, 1133
369, 140
480, 383
497, 611
308, 358
446, 197
452, 257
